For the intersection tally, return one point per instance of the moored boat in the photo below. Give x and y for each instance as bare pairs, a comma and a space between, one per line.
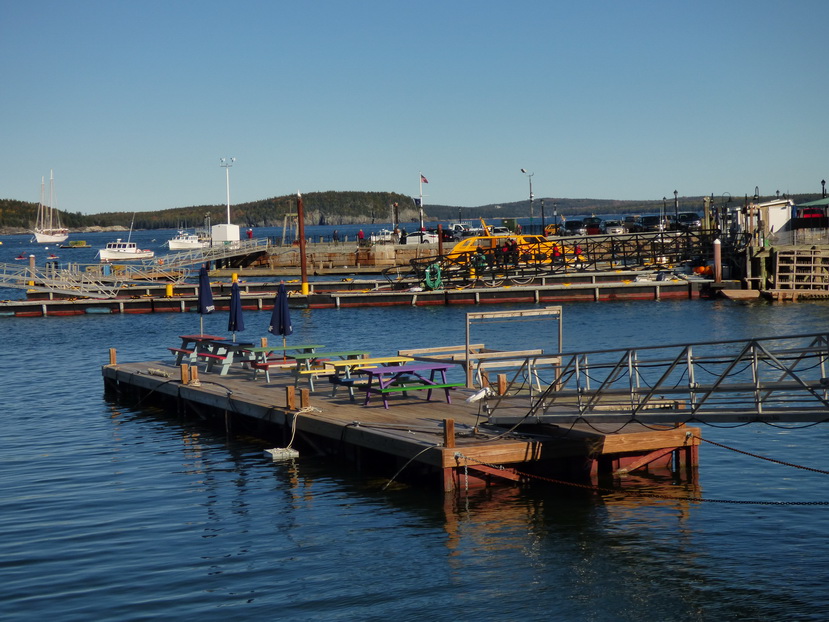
75, 244
187, 241
48, 229
124, 251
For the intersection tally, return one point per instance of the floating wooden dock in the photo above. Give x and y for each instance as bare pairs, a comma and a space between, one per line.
430, 443
257, 295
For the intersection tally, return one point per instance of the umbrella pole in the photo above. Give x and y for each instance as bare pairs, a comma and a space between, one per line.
284, 355
201, 324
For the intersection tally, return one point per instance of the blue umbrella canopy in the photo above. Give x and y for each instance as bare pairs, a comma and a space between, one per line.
281, 315
205, 297
235, 322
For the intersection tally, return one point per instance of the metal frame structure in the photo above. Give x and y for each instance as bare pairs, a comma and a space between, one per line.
105, 280
773, 379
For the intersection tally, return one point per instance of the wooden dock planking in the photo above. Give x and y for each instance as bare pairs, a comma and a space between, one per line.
410, 426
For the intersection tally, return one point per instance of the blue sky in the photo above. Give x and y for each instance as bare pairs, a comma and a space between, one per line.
133, 103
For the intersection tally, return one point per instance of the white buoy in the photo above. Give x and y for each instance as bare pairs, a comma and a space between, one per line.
282, 453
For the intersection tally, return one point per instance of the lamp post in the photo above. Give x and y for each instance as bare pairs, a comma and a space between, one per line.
724, 216
226, 163
662, 214
676, 208
530, 177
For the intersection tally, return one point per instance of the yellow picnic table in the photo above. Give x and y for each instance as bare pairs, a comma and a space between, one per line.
315, 364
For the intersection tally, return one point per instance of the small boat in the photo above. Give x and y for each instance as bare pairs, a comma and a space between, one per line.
124, 251
187, 241
75, 244
48, 229
22, 256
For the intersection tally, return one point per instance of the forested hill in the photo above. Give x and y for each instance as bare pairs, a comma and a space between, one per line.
336, 208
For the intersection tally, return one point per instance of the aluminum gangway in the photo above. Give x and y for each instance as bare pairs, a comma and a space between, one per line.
768, 379
105, 280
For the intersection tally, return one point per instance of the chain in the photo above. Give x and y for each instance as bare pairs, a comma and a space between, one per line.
759, 457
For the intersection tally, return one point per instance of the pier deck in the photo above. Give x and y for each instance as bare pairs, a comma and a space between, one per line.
434, 442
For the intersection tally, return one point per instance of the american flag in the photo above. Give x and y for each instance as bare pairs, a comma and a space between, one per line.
423, 179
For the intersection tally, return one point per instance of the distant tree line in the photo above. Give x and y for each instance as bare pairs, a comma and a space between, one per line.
350, 207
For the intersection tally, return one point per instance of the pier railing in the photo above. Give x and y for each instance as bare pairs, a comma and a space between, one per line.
774, 379
493, 268
104, 280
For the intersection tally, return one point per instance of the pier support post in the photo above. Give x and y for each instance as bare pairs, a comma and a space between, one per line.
290, 398
449, 433
185, 373
112, 356
304, 398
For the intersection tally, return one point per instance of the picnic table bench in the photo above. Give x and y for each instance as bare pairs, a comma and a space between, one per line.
344, 370
315, 364
262, 359
192, 346
408, 377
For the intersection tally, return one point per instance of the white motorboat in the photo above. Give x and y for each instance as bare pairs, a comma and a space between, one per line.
48, 229
187, 241
124, 251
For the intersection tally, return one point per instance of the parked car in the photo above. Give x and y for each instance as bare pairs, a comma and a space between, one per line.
654, 223
688, 221
421, 237
633, 224
594, 225
499, 231
615, 227
574, 227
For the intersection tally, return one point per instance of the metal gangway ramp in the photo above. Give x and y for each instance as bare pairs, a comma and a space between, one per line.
769, 379
105, 280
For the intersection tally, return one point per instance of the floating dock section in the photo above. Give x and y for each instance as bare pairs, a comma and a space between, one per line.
442, 445
257, 295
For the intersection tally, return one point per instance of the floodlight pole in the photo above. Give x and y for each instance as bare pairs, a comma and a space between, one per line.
226, 163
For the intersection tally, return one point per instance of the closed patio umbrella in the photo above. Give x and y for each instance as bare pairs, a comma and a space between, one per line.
205, 297
281, 315
235, 322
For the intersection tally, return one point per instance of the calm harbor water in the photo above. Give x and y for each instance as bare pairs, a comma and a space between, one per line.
114, 512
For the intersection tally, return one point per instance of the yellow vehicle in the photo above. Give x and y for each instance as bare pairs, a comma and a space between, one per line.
531, 248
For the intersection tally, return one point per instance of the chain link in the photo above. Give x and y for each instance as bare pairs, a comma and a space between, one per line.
759, 457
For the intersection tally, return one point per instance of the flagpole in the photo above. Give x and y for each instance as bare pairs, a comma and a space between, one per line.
421, 201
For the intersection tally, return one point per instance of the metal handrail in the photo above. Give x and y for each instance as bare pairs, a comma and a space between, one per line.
762, 379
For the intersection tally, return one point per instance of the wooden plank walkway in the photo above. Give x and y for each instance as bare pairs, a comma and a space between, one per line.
412, 429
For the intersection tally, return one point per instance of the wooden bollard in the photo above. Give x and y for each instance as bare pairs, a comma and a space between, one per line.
194, 376
449, 433
484, 379
502, 384
112, 357
185, 373
263, 341
304, 398
290, 398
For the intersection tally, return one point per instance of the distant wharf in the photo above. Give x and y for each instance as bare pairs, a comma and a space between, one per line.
150, 297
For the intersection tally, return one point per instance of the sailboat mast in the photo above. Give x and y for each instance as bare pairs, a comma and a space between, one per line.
51, 196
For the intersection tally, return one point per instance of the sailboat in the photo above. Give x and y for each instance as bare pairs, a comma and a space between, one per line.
48, 229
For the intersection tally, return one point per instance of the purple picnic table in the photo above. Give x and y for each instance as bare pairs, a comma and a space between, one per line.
405, 378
